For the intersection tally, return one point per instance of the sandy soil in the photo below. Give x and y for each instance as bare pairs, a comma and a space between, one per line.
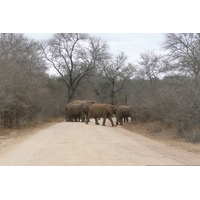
78, 144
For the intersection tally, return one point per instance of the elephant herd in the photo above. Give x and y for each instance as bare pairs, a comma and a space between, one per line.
83, 111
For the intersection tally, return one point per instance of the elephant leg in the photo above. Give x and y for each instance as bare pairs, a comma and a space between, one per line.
105, 115
71, 118
83, 118
111, 121
120, 121
117, 120
104, 121
87, 118
127, 119
96, 121
75, 118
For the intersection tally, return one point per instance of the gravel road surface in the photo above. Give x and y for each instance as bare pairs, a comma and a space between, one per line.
78, 144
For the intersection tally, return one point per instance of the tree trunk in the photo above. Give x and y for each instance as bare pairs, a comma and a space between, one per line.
70, 95
126, 100
112, 98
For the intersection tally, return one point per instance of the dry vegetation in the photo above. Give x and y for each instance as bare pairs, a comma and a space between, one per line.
165, 87
156, 131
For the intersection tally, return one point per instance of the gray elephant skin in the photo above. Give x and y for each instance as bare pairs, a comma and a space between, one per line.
78, 109
99, 110
124, 112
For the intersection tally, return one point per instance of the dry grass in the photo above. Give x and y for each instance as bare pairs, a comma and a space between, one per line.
157, 131
28, 129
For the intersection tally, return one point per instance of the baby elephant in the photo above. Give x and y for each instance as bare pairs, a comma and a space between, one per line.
123, 112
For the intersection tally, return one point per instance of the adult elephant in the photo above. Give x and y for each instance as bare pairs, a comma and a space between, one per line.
77, 110
88, 102
124, 112
99, 110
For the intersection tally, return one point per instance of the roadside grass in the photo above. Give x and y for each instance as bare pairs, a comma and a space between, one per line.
29, 128
158, 131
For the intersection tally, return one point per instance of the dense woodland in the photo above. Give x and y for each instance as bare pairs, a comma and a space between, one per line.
167, 85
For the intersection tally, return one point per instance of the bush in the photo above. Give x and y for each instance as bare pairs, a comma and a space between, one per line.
194, 136
27, 92
175, 102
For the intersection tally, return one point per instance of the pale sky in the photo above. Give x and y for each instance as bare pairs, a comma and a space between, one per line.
132, 44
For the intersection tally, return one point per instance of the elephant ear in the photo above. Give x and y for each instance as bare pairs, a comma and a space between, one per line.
88, 105
110, 109
115, 109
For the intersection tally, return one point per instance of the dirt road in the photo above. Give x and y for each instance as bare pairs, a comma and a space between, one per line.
78, 144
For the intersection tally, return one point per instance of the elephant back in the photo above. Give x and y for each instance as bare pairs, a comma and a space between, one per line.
84, 102
99, 109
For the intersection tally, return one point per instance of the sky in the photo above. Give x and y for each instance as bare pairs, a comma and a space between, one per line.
132, 44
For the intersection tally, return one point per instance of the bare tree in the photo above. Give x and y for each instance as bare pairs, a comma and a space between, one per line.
22, 72
152, 65
184, 51
116, 71
74, 56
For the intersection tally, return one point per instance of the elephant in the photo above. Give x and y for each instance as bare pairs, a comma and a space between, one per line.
124, 112
88, 102
77, 110
99, 110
